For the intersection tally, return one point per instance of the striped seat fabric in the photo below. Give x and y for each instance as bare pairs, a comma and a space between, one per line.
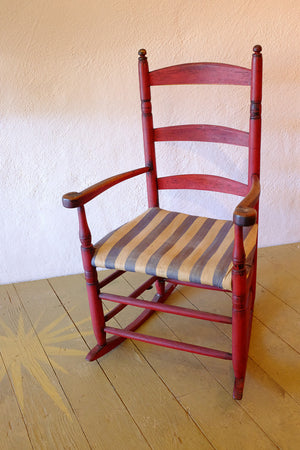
175, 246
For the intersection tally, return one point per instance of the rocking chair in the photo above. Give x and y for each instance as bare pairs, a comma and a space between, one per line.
175, 248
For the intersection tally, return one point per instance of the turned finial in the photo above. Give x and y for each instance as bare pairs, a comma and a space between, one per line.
142, 54
257, 49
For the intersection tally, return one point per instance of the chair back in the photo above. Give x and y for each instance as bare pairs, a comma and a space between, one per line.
201, 73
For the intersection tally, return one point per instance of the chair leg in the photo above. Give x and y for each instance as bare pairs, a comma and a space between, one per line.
241, 332
96, 308
91, 277
253, 282
114, 341
239, 347
160, 287
240, 308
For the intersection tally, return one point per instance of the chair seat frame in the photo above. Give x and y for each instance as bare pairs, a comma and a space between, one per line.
245, 214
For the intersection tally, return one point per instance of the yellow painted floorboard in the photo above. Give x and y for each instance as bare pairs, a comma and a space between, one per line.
161, 419
142, 396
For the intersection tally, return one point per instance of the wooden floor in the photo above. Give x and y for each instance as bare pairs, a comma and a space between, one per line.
140, 396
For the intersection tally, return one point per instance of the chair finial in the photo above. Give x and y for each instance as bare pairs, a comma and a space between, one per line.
257, 49
142, 54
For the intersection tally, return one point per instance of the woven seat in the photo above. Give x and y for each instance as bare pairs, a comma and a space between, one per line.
175, 246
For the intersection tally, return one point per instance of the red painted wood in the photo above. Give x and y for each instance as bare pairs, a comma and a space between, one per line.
169, 343
196, 285
177, 310
243, 290
147, 123
204, 133
255, 113
134, 294
246, 213
160, 285
110, 278
76, 199
201, 73
101, 350
239, 314
113, 342
87, 251
203, 182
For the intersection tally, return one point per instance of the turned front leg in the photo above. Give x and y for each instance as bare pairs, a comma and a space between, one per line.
95, 304
239, 314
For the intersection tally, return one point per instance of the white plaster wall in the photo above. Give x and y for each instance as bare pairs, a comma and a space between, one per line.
69, 115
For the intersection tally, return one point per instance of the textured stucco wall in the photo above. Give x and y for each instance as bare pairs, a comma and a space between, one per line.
69, 115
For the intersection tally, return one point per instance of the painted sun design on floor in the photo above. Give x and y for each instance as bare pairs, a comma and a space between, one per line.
21, 350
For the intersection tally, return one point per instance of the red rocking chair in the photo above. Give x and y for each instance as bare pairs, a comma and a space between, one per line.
175, 248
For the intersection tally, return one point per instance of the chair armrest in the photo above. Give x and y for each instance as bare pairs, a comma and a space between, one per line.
77, 199
244, 214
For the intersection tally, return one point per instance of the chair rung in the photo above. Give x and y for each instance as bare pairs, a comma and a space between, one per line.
134, 294
178, 310
110, 278
169, 343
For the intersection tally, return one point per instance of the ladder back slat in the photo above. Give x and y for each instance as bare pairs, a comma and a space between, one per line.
203, 182
201, 73
204, 133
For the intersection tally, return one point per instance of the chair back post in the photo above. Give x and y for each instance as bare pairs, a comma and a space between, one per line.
148, 133
255, 113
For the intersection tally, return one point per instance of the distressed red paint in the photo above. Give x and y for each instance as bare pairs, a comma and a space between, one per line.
245, 214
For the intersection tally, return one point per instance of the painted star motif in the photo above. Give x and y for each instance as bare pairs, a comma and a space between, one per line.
21, 350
